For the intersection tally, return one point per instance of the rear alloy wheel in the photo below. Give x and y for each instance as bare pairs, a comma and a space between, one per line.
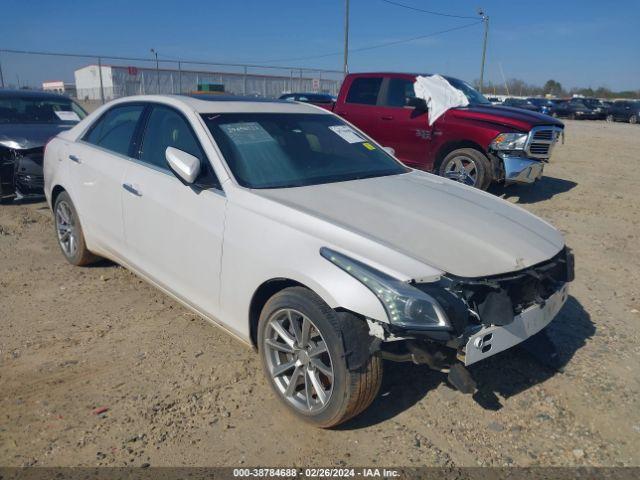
468, 166
69, 232
303, 352
633, 119
609, 118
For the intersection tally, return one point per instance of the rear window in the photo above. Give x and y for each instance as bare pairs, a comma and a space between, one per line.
114, 130
364, 90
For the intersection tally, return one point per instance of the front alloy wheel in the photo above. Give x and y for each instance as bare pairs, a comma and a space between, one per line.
298, 360
468, 166
462, 169
307, 352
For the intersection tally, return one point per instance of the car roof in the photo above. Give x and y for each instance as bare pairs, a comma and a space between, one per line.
228, 104
12, 93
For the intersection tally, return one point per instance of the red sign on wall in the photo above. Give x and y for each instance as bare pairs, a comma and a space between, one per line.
132, 70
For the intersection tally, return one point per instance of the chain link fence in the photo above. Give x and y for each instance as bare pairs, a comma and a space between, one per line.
95, 79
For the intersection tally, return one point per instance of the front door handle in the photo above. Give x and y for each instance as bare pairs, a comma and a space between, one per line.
74, 158
387, 117
131, 189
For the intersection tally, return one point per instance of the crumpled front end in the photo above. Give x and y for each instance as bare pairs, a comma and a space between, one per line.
21, 171
521, 159
487, 315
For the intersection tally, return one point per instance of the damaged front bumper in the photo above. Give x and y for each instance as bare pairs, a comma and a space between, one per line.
487, 316
519, 169
489, 340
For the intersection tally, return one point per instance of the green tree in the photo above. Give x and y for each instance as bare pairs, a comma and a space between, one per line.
553, 87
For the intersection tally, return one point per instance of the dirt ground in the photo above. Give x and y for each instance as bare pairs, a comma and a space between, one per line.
181, 392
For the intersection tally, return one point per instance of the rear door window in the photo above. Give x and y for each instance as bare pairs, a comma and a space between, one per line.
115, 129
364, 90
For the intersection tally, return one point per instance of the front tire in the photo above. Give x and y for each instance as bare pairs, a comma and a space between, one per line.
69, 232
609, 118
304, 347
633, 119
468, 166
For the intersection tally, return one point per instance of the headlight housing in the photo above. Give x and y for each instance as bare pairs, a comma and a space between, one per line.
509, 141
405, 305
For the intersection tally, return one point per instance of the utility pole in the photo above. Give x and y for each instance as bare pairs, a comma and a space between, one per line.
346, 38
485, 20
101, 84
1, 77
153, 50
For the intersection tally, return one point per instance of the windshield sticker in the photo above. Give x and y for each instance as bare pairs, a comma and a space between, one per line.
67, 116
368, 146
347, 133
246, 133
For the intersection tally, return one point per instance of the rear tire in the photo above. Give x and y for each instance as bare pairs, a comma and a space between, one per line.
633, 119
69, 232
609, 118
468, 166
327, 391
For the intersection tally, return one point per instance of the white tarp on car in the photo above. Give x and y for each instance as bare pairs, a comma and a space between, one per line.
439, 95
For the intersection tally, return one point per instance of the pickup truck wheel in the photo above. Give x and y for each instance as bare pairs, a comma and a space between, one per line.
633, 119
468, 166
69, 232
609, 118
304, 351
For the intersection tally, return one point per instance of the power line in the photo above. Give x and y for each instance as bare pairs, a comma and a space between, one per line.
380, 45
431, 12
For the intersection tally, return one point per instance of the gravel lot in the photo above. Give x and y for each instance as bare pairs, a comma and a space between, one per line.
174, 390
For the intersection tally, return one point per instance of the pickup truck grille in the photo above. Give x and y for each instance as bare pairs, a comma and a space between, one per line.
541, 141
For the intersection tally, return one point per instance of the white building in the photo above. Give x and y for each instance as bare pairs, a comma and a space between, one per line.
118, 81
58, 86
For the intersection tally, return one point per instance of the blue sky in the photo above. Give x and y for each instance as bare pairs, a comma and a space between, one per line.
579, 43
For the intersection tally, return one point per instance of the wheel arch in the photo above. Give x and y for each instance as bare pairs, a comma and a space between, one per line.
55, 191
449, 147
261, 296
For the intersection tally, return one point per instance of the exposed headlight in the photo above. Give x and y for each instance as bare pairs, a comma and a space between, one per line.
405, 305
509, 141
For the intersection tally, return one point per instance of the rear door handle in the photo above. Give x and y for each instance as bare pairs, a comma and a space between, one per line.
131, 189
387, 117
74, 158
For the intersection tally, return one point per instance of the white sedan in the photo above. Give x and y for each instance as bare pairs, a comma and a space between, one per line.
304, 238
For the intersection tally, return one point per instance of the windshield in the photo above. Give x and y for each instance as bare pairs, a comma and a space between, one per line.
474, 96
33, 109
279, 150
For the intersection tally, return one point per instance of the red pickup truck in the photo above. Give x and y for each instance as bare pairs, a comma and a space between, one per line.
477, 144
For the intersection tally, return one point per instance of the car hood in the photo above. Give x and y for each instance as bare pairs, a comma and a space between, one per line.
445, 225
24, 136
508, 116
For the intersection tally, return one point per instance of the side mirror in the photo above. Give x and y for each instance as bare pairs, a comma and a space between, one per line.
183, 164
417, 103
390, 151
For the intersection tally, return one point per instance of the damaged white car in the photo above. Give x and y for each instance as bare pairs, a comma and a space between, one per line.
296, 232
